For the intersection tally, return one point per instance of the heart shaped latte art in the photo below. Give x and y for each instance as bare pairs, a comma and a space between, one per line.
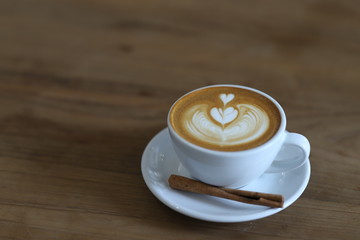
226, 125
224, 117
226, 98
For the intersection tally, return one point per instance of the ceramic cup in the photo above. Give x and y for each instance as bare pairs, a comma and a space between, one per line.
283, 152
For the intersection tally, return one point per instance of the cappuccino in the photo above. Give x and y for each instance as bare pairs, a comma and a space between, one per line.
225, 118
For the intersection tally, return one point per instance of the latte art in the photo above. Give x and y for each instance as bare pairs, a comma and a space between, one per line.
226, 120
224, 115
243, 124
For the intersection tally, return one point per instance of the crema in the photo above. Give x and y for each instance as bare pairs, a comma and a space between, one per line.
225, 118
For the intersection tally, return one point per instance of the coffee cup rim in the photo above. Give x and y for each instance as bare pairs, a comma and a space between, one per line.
280, 130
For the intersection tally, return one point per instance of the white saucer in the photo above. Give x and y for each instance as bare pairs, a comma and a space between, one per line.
159, 162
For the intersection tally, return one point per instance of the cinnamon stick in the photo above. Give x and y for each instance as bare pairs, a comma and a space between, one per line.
191, 185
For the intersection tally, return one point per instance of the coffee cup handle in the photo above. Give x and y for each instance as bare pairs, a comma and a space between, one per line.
293, 154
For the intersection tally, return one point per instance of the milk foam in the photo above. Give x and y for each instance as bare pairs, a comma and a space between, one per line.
226, 125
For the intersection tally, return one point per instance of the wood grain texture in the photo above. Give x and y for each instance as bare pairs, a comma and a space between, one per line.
85, 84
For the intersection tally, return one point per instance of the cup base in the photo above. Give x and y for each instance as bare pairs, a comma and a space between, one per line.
159, 161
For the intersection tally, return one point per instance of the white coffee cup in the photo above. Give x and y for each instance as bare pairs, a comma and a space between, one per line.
283, 152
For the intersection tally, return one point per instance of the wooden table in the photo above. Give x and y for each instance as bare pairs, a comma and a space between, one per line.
85, 84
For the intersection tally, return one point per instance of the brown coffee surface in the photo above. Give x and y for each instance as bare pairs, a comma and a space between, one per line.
225, 118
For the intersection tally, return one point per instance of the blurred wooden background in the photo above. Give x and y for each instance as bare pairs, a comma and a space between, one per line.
85, 84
